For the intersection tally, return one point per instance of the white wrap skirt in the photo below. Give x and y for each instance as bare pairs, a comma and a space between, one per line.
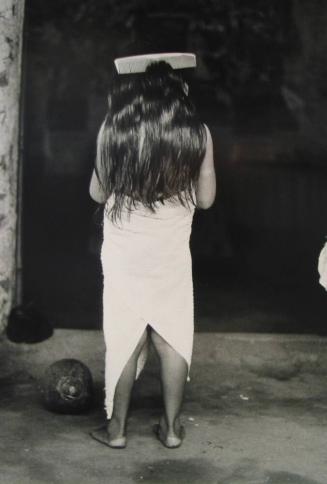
147, 280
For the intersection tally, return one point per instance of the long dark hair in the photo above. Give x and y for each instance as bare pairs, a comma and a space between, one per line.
151, 143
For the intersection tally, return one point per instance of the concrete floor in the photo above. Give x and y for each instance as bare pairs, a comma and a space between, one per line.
255, 412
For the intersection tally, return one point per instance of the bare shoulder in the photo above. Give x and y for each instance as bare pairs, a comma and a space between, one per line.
206, 186
209, 137
208, 160
96, 190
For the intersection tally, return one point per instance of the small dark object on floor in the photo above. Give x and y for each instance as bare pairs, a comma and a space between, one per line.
67, 387
27, 325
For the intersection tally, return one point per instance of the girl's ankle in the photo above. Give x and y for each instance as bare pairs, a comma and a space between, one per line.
170, 429
116, 427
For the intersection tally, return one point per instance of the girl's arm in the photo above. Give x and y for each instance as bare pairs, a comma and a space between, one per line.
96, 190
205, 191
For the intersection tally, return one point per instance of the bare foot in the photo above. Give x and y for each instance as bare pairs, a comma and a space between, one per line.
170, 438
110, 435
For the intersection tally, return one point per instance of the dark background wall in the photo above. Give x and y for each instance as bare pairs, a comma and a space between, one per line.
259, 85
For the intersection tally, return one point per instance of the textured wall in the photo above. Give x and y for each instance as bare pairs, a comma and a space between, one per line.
11, 24
306, 74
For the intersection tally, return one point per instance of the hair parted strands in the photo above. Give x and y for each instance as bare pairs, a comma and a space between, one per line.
151, 143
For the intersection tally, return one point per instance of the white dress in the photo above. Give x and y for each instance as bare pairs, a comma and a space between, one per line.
147, 280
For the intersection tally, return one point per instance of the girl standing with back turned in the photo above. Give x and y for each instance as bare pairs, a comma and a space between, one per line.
154, 165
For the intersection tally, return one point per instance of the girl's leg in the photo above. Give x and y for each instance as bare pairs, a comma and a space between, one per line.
173, 378
117, 425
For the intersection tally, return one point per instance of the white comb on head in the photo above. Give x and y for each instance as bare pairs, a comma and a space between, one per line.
139, 63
